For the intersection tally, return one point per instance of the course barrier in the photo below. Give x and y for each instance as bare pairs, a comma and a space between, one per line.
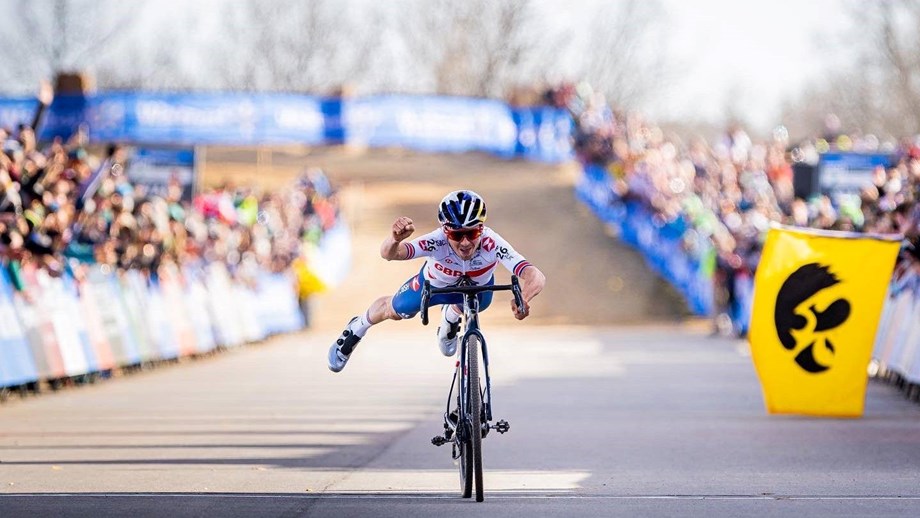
92, 320
897, 343
425, 123
17, 364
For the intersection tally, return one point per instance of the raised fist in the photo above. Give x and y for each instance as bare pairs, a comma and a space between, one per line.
402, 228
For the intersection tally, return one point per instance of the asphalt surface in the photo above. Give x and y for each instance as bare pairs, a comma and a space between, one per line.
660, 420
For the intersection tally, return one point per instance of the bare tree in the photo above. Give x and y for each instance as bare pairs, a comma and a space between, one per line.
285, 45
163, 57
894, 29
879, 92
41, 38
478, 47
290, 45
507, 44
624, 57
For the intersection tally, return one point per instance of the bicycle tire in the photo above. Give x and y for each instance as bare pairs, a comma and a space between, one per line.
475, 400
466, 457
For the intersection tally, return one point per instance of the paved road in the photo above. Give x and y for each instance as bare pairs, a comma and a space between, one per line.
628, 421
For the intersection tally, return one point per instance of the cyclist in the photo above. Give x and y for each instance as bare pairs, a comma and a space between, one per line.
462, 245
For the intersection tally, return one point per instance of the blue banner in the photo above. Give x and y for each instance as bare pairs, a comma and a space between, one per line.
840, 172
426, 123
188, 119
156, 167
17, 111
544, 134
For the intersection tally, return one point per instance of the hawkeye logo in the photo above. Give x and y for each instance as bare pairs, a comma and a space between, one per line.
804, 316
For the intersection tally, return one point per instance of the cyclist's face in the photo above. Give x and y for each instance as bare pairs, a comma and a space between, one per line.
464, 242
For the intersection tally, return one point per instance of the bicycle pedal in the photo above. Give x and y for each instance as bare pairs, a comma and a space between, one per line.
501, 426
439, 440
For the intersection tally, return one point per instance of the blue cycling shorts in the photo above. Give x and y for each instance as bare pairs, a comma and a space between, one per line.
408, 298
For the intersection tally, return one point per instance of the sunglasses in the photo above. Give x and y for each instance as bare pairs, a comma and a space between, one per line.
460, 233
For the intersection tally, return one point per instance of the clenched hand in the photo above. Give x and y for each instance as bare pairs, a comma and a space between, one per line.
403, 227
520, 313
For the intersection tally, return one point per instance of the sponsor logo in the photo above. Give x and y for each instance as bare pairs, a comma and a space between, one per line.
488, 244
411, 284
799, 319
447, 271
430, 245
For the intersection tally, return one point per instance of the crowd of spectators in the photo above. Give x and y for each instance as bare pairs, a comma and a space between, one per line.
727, 192
62, 207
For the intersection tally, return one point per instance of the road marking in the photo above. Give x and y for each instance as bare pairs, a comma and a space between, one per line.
443, 496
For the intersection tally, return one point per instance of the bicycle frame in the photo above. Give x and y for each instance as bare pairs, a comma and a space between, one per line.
463, 431
471, 320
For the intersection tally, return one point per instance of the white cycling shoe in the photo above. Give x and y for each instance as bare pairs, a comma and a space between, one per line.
447, 334
343, 347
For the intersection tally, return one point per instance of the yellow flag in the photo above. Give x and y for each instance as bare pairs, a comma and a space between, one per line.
817, 300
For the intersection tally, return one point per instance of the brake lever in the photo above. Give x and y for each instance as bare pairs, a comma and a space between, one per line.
516, 290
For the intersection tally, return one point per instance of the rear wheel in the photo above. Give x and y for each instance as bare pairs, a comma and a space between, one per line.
475, 400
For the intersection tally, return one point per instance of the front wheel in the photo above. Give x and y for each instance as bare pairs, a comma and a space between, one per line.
466, 449
475, 401
466, 469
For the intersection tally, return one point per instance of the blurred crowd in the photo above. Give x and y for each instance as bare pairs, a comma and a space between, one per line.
61, 206
725, 193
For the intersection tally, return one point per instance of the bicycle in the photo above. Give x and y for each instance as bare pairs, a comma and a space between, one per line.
469, 421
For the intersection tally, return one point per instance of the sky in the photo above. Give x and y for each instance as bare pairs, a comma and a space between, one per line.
750, 55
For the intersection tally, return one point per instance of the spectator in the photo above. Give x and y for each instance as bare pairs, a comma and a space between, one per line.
62, 208
728, 193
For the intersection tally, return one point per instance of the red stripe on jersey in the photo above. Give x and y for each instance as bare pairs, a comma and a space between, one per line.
477, 273
410, 250
520, 267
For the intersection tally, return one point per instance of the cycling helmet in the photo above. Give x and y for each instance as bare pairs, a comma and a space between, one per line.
461, 209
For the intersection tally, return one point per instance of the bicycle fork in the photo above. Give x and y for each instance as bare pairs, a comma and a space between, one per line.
453, 431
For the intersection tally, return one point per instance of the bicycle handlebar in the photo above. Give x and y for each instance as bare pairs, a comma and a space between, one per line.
428, 291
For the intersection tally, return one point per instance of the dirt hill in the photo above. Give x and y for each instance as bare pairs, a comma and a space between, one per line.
591, 278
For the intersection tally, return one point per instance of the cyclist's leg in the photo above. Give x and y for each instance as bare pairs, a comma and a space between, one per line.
407, 297
404, 304
449, 327
384, 308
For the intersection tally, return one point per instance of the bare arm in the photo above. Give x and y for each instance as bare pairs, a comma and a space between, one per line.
532, 283
402, 228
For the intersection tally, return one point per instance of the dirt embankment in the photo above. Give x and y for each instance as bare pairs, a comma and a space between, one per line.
591, 278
